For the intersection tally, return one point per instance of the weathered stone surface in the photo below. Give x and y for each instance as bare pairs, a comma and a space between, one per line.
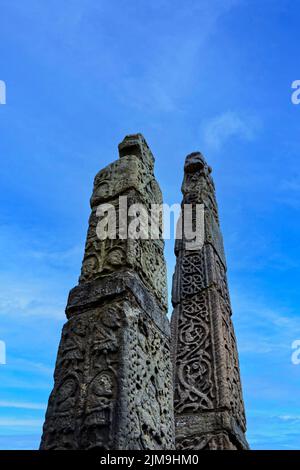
131, 176
113, 375
209, 409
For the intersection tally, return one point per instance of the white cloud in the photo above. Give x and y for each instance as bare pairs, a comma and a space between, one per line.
22, 298
20, 364
261, 328
22, 405
290, 190
289, 417
292, 184
21, 422
38, 273
228, 125
168, 69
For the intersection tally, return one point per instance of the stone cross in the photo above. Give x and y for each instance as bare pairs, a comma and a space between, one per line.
208, 402
113, 375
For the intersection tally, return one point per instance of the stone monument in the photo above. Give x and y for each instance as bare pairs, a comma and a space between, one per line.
208, 403
113, 375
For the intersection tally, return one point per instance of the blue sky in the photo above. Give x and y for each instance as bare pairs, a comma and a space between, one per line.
213, 76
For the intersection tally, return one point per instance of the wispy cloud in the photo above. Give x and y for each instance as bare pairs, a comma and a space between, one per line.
29, 299
22, 405
263, 329
270, 431
289, 190
21, 422
20, 440
290, 417
169, 67
292, 184
154, 78
36, 268
228, 125
24, 365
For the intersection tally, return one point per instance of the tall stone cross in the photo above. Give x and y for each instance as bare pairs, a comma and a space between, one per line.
113, 375
209, 408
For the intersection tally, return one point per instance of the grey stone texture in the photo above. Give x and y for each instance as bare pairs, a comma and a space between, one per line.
208, 402
113, 375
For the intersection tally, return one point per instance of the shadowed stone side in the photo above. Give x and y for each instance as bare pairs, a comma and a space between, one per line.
208, 402
113, 375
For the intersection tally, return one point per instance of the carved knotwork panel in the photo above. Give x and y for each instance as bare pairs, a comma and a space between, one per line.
148, 378
192, 274
148, 260
194, 379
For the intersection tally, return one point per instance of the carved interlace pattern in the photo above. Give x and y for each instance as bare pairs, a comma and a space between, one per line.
149, 389
194, 365
206, 376
194, 385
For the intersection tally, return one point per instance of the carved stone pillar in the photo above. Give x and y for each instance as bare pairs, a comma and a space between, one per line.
209, 408
113, 375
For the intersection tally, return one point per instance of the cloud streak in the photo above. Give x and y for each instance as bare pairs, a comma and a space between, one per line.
22, 405
217, 131
35, 423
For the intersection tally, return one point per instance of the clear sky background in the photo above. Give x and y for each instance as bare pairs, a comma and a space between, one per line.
208, 75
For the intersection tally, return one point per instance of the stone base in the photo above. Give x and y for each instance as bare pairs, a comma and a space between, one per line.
209, 431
